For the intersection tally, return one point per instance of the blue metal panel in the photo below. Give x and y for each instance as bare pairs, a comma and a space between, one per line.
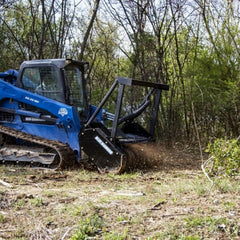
67, 127
99, 117
9, 76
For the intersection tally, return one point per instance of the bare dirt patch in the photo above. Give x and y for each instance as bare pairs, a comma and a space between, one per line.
166, 197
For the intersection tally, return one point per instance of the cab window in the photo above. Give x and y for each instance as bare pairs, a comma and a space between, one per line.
75, 83
43, 81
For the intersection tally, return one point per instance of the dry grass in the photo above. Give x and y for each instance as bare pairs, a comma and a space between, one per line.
169, 200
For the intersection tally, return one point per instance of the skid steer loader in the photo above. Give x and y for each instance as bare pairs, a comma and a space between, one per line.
47, 122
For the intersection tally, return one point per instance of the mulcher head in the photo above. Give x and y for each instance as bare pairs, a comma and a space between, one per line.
108, 148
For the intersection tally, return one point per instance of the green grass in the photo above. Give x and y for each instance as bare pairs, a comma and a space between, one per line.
20, 203
2, 218
116, 236
211, 223
37, 202
88, 227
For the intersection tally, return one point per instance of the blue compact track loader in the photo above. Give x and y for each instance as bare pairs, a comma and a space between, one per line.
47, 122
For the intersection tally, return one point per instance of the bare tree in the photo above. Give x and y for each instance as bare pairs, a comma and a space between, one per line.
89, 28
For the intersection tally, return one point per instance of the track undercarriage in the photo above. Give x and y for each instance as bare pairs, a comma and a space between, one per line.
42, 153
39, 152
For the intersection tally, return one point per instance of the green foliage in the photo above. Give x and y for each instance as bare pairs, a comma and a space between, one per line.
226, 155
215, 92
32, 30
2, 218
19, 204
116, 236
183, 237
37, 201
88, 227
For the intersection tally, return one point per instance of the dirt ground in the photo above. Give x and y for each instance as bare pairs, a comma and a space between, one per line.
166, 197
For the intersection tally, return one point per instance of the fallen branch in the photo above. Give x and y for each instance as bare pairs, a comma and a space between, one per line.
174, 215
205, 173
5, 184
66, 233
8, 230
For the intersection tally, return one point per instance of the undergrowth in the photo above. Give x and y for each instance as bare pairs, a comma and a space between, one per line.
226, 157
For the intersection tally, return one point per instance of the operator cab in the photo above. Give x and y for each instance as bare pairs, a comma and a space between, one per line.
58, 79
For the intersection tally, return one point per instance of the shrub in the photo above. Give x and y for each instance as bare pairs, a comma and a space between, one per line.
226, 154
